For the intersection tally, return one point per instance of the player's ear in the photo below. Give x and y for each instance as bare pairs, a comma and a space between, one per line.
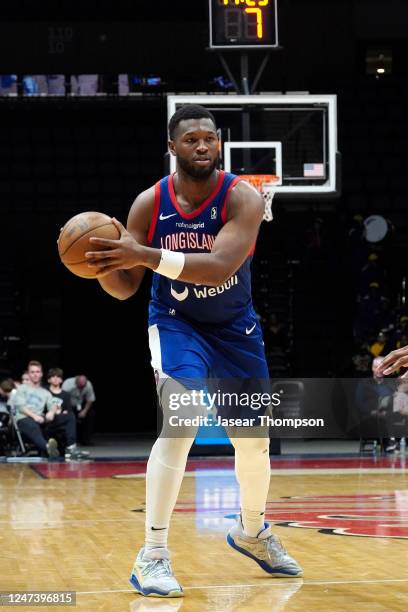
171, 147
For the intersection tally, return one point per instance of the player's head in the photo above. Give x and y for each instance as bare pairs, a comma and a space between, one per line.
194, 141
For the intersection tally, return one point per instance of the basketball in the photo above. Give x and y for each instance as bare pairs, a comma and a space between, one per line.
73, 241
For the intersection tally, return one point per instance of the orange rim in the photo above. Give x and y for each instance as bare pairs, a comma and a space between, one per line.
259, 180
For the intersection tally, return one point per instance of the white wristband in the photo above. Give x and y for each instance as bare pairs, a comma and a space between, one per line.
171, 264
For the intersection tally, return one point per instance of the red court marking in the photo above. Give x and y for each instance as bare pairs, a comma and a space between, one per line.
379, 515
376, 515
107, 469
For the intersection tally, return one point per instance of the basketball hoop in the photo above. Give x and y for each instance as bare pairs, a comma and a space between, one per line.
264, 183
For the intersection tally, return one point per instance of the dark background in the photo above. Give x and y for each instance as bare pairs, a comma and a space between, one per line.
58, 158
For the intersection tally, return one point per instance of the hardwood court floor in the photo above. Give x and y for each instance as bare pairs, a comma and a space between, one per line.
78, 527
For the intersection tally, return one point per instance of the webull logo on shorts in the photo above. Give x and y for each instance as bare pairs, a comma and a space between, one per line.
203, 292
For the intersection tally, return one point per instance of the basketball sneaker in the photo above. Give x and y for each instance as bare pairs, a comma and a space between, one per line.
266, 549
152, 574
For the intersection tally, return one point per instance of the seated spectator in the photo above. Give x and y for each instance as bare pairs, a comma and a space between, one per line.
7, 387
400, 400
372, 399
400, 411
30, 401
64, 419
25, 378
381, 346
82, 396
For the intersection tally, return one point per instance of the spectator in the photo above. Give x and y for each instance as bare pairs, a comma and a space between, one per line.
64, 419
7, 387
25, 378
30, 401
379, 347
399, 406
82, 396
362, 360
372, 396
400, 401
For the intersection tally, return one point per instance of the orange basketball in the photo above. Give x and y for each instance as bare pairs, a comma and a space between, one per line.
73, 241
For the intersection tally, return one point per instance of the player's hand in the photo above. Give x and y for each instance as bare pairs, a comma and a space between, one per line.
121, 254
394, 361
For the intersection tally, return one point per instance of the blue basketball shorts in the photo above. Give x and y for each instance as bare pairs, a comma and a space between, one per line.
183, 350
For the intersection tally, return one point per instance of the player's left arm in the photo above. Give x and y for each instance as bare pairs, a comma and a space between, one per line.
231, 247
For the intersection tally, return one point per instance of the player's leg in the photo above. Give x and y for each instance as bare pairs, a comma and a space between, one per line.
241, 358
252, 469
166, 465
152, 573
251, 535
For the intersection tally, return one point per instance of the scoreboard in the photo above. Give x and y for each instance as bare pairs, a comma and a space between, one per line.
243, 24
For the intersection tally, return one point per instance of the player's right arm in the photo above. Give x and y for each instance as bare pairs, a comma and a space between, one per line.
122, 284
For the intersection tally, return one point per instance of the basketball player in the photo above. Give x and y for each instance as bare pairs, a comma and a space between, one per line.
196, 230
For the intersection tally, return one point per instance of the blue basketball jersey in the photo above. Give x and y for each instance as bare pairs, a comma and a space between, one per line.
173, 229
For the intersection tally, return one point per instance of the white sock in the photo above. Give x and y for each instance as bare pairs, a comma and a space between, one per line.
252, 522
164, 475
252, 469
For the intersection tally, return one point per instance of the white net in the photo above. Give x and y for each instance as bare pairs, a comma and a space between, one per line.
265, 184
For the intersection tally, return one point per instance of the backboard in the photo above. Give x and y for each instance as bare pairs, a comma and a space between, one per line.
293, 136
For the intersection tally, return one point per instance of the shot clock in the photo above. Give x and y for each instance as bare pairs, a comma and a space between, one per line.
243, 24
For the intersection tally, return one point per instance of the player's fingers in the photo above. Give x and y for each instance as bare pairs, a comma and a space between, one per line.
388, 361
97, 255
391, 357
93, 263
103, 242
400, 363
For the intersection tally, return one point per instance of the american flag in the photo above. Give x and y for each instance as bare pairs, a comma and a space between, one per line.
313, 170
